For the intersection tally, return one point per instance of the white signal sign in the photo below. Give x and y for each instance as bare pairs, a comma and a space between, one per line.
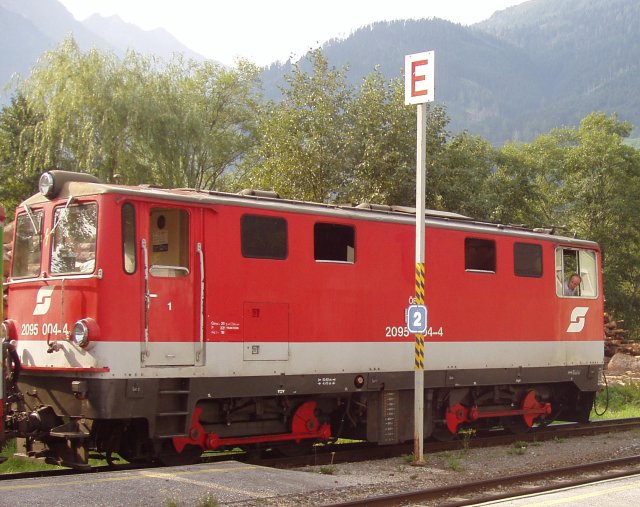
419, 77
417, 319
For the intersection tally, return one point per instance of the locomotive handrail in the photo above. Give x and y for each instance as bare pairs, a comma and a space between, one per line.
154, 268
201, 330
97, 274
147, 298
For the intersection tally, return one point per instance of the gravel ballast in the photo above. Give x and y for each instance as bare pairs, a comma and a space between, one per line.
395, 475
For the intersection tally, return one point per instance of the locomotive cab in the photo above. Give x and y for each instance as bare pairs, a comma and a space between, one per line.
102, 287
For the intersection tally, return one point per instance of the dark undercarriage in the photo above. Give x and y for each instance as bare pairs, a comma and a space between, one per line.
174, 419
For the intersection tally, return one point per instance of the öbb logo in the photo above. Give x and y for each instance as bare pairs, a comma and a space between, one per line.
578, 319
43, 300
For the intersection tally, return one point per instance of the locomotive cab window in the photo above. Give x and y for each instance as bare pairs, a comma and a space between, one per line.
169, 252
527, 259
480, 255
263, 237
73, 248
576, 273
27, 248
333, 243
129, 238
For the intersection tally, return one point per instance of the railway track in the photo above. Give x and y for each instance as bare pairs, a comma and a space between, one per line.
477, 492
341, 453
354, 452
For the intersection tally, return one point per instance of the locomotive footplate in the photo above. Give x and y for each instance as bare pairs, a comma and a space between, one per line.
65, 446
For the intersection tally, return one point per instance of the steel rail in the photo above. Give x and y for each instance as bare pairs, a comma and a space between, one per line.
473, 490
361, 451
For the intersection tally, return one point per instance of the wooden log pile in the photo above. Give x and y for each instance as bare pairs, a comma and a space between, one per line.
615, 341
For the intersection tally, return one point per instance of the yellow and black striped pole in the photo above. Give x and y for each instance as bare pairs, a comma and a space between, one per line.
421, 174
419, 354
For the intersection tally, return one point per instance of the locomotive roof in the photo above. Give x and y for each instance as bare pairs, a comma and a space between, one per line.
271, 201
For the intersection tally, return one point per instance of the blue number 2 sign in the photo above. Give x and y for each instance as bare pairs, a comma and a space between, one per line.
417, 319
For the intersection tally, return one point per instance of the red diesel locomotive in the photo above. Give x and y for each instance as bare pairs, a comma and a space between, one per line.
158, 323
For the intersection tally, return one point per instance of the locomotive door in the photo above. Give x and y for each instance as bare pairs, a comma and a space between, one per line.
173, 288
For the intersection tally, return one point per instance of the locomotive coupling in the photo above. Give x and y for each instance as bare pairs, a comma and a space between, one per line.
29, 423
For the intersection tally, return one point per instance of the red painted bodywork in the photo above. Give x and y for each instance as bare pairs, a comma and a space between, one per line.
300, 299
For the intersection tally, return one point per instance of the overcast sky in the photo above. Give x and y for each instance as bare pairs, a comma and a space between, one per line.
265, 31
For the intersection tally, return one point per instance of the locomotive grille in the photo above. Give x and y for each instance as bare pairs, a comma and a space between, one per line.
389, 418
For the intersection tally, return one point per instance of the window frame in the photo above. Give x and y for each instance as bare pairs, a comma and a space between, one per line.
327, 239
28, 215
270, 248
592, 276
525, 273
182, 268
57, 224
477, 267
125, 238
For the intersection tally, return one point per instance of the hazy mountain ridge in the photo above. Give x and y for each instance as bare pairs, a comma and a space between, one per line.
528, 68
124, 35
28, 28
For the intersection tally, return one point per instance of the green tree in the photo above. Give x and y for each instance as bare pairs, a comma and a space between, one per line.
383, 136
18, 122
461, 175
85, 112
199, 121
179, 123
382, 168
601, 194
585, 180
525, 186
304, 140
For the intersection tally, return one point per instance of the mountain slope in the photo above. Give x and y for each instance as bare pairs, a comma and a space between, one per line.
14, 27
54, 21
483, 81
586, 52
124, 35
28, 28
525, 70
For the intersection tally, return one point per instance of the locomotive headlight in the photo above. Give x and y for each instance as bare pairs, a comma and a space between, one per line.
51, 182
80, 334
46, 184
84, 332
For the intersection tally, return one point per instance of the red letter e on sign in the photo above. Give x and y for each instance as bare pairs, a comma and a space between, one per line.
419, 78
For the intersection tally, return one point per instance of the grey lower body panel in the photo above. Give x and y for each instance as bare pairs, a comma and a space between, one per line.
143, 398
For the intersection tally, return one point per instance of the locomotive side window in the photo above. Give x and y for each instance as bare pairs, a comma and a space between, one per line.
73, 249
480, 255
129, 238
263, 237
527, 259
169, 255
576, 273
27, 249
333, 242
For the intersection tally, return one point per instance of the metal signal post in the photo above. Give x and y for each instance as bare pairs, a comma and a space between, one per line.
419, 89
